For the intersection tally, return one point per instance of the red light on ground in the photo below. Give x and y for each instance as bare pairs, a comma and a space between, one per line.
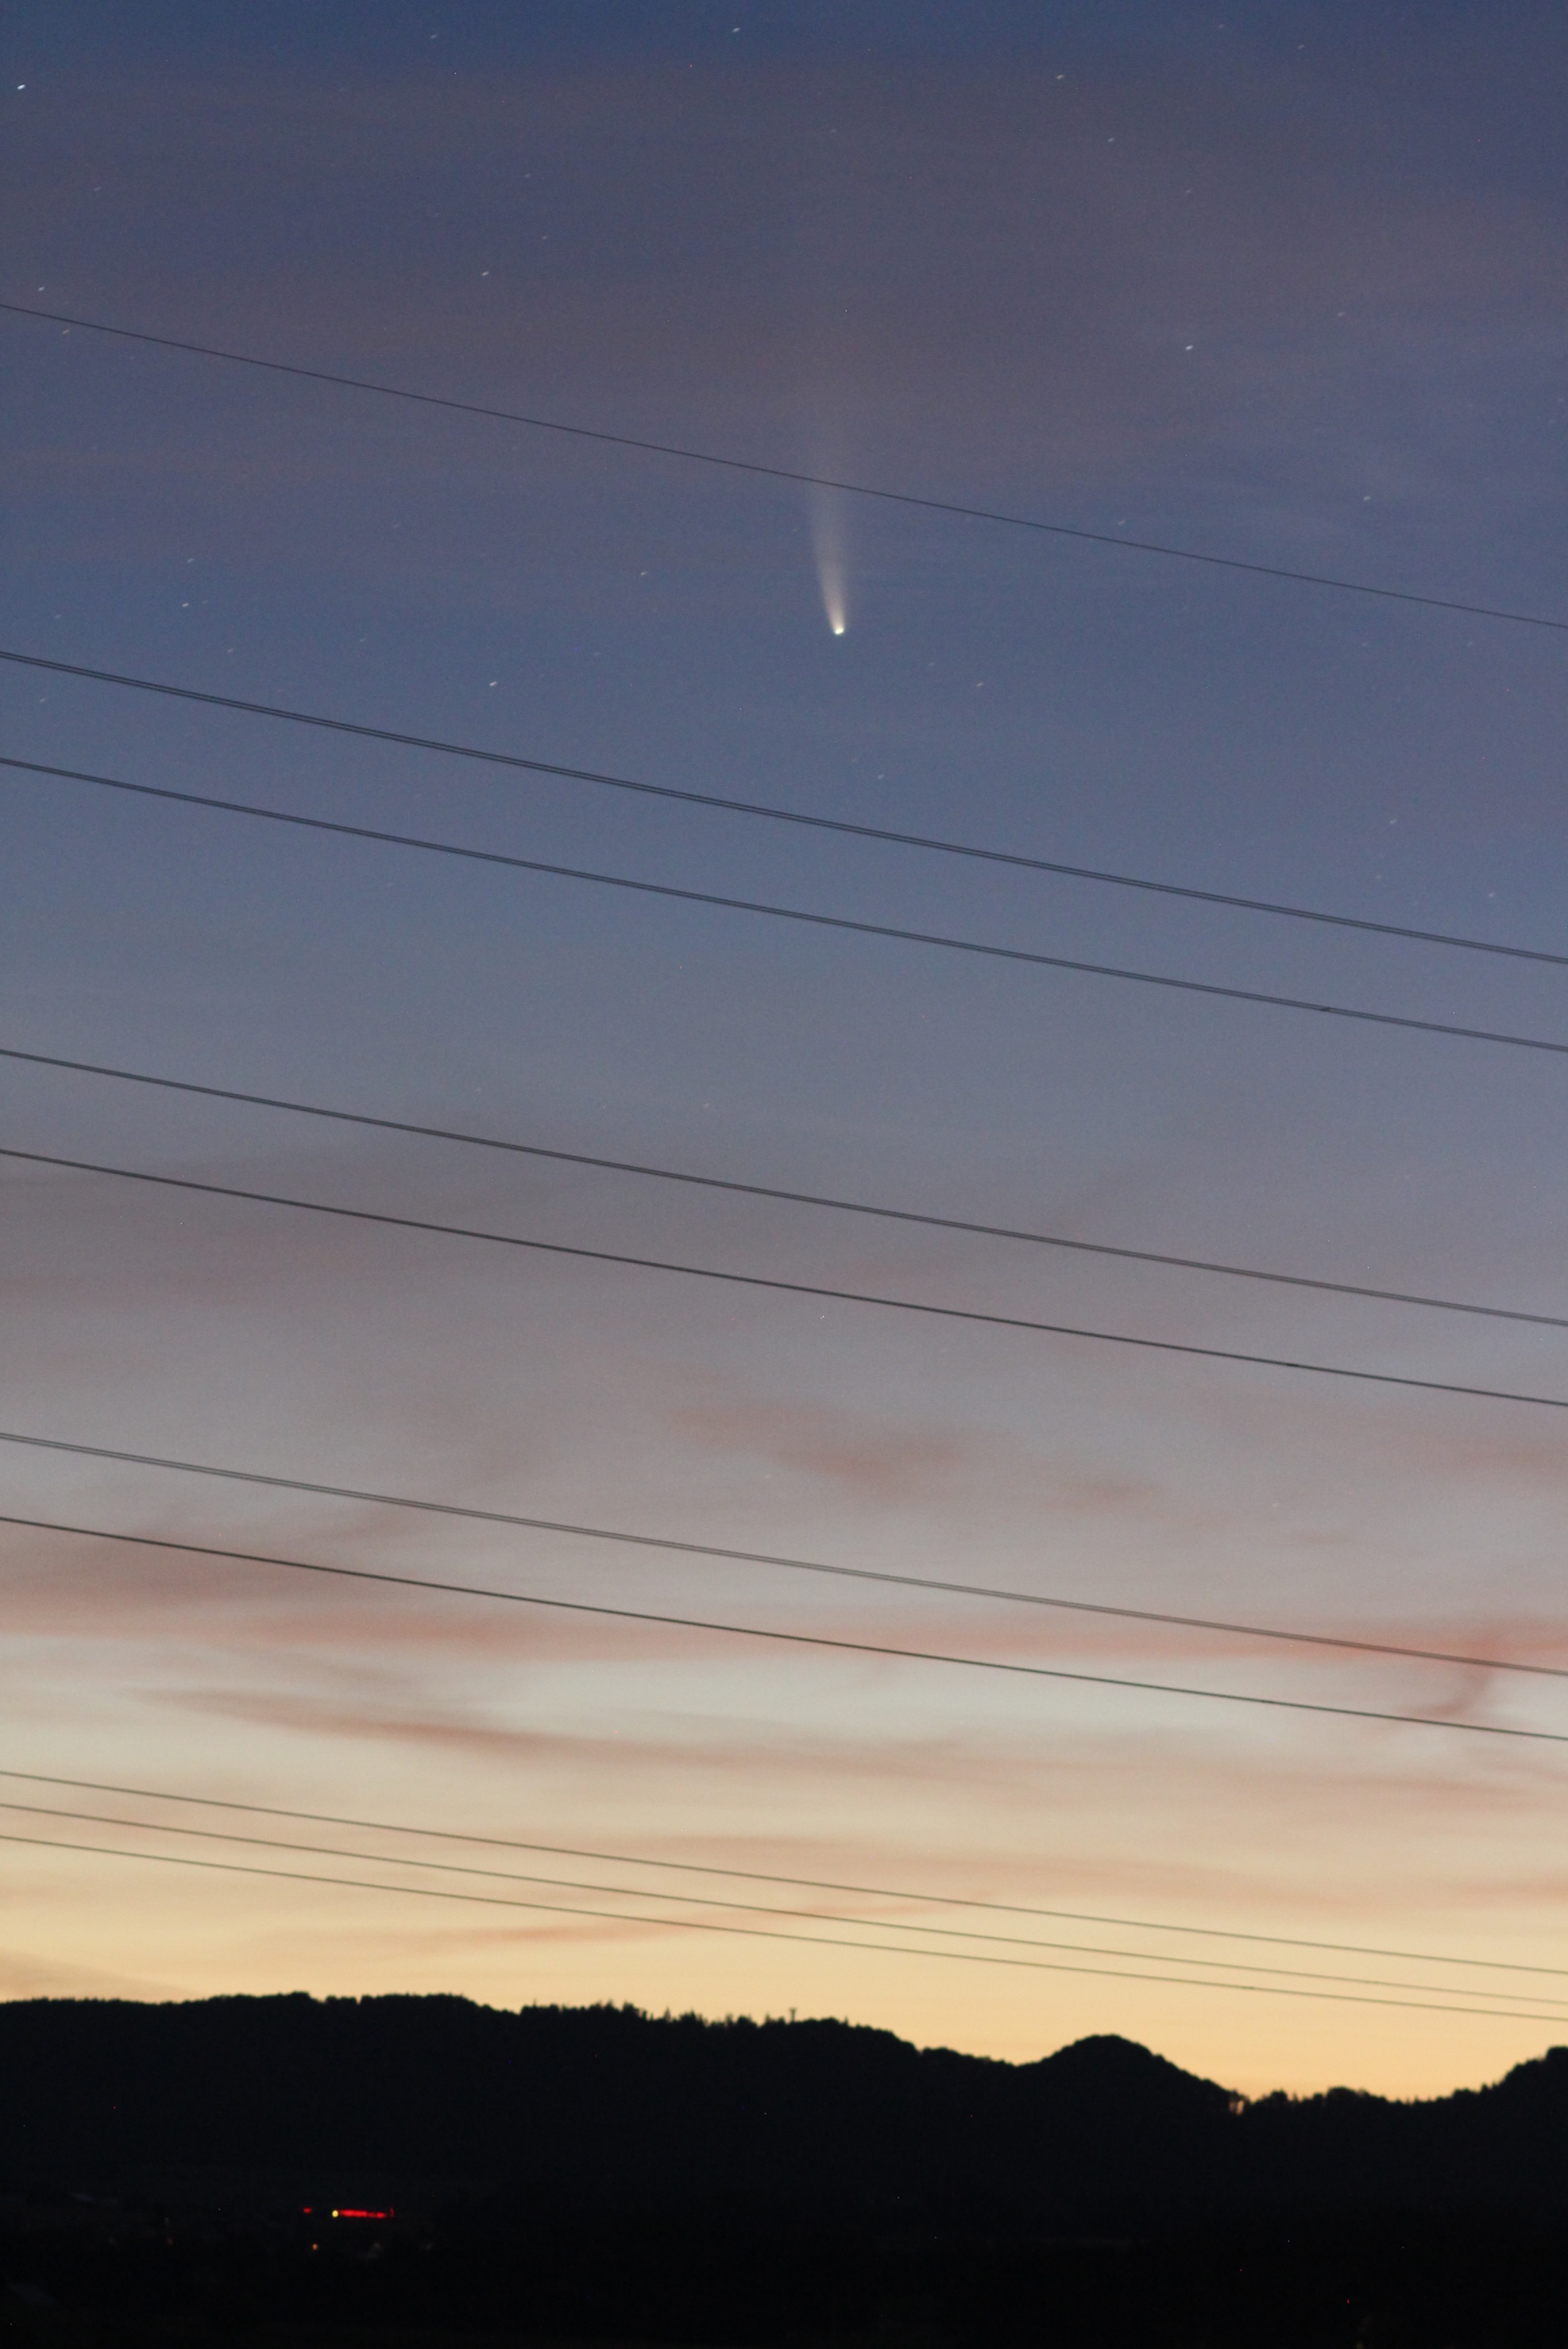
362, 2214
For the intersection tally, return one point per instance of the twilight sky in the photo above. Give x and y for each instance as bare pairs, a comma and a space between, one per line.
1287, 285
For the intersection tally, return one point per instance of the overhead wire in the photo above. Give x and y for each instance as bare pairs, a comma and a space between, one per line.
760, 1875
922, 1219
773, 813
817, 1640
1210, 989
771, 1933
776, 1284
1524, 2003
779, 472
719, 1553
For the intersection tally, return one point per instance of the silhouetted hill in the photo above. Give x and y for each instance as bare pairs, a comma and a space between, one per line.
604, 2102
178, 2175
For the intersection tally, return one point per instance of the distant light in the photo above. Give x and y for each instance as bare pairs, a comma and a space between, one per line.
837, 628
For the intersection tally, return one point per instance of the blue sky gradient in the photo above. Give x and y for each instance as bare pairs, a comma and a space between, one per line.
1288, 287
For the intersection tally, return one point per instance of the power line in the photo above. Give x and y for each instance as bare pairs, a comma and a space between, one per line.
720, 1554
860, 928
781, 472
775, 814
774, 1284
1522, 2001
764, 1932
759, 1876
752, 1631
776, 1192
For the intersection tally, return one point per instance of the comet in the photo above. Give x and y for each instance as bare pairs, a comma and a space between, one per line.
828, 549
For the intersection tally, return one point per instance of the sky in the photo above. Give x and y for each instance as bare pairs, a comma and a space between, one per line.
1285, 286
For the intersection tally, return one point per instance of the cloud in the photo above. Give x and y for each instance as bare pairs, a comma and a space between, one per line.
844, 1450
872, 1458
23, 1975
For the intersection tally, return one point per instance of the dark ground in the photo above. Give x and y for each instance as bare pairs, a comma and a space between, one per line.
167, 2176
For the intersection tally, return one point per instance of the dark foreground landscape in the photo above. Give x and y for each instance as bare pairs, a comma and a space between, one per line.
423, 2171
